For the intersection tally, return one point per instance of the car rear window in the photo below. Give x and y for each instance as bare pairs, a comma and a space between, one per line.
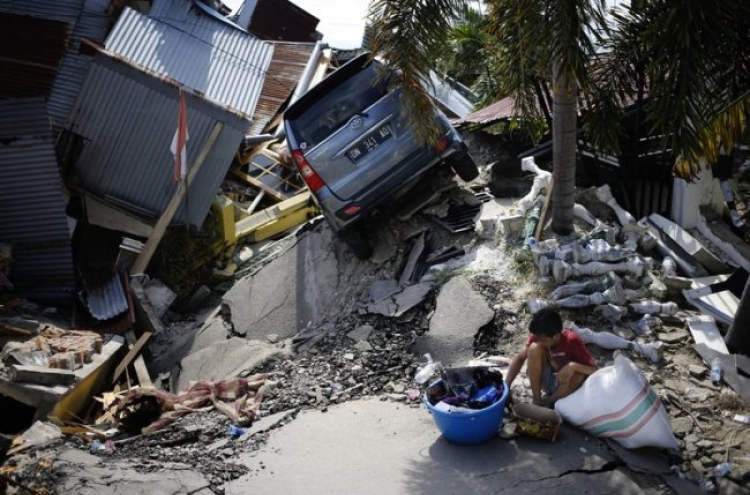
338, 104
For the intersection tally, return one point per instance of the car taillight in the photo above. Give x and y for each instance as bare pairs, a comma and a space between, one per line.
441, 145
351, 210
312, 179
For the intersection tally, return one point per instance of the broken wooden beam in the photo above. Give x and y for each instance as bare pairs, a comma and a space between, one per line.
132, 354
40, 375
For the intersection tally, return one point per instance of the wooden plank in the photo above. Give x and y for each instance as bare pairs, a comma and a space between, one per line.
161, 225
543, 213
104, 215
257, 220
144, 380
260, 185
131, 355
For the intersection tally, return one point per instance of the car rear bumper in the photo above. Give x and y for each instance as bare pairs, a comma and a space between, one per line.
389, 187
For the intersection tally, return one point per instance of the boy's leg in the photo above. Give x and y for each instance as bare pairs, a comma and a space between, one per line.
564, 390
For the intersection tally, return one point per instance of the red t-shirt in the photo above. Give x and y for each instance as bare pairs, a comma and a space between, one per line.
570, 349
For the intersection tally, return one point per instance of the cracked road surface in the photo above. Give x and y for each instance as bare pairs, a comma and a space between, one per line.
380, 447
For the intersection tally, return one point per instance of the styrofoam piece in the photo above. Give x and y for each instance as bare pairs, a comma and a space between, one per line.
705, 331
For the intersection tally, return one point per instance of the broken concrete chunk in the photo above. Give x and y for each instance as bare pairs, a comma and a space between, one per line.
39, 375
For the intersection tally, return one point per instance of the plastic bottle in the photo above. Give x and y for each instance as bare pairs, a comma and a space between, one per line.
427, 371
721, 470
707, 484
716, 372
644, 325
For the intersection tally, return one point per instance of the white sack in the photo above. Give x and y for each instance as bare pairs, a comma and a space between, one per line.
617, 402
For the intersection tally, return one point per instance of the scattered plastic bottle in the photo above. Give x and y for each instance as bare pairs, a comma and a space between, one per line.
716, 372
644, 325
721, 470
427, 371
236, 431
708, 484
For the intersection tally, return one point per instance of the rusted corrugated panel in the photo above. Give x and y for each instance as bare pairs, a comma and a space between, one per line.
32, 50
500, 110
31, 199
226, 65
127, 119
288, 63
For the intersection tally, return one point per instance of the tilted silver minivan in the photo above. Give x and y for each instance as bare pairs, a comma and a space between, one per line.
353, 146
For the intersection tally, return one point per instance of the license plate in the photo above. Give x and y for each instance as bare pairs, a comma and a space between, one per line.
364, 147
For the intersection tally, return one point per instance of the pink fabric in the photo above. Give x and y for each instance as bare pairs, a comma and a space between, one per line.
238, 399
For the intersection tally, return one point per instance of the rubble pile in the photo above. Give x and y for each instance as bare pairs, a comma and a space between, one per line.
613, 285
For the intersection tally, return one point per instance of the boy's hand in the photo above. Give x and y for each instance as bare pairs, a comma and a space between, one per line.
564, 374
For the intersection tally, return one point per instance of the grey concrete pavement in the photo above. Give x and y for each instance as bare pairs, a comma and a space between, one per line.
374, 447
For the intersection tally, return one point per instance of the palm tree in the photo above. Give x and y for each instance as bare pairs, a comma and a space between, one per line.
408, 32
691, 60
690, 63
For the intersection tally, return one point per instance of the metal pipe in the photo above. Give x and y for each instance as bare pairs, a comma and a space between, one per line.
304, 80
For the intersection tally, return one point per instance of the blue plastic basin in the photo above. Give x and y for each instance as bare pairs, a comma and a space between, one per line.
470, 427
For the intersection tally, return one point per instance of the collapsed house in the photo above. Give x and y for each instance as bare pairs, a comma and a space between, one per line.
86, 133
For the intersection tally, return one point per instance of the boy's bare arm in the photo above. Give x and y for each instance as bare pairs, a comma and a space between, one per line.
515, 366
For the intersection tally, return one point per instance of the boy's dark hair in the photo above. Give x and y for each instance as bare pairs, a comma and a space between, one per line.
547, 322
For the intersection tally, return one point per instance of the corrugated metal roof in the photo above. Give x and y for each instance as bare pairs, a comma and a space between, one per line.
288, 63
31, 199
127, 119
57, 10
32, 50
92, 24
500, 110
108, 300
88, 19
226, 65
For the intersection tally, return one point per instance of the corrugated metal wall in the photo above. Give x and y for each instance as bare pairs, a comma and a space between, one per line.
127, 119
32, 206
92, 24
89, 20
225, 64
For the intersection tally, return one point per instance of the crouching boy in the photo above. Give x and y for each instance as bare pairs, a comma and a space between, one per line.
557, 361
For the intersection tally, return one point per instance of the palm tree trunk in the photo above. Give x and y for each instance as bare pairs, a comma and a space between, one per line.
564, 127
738, 336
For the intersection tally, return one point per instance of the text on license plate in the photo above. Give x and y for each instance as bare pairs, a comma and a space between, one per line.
367, 145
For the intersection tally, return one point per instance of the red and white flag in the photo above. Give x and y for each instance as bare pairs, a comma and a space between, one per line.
179, 142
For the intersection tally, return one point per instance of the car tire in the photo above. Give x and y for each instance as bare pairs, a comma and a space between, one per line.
464, 166
357, 241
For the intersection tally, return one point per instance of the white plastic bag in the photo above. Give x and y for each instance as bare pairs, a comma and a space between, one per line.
617, 402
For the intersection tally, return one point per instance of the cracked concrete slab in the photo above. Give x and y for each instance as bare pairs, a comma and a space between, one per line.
85, 474
459, 313
398, 303
397, 449
290, 292
225, 359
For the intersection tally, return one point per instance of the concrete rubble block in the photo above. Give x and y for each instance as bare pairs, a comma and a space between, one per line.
40, 375
295, 288
511, 224
361, 333
401, 302
459, 313
490, 214
120, 478
225, 359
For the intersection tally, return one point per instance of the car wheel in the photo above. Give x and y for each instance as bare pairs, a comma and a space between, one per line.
357, 241
464, 166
